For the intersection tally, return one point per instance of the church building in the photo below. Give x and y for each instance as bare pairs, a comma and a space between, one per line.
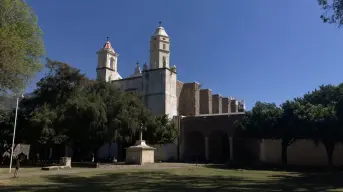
162, 92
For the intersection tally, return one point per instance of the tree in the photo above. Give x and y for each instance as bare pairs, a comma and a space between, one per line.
328, 131
291, 126
40, 116
161, 130
268, 121
5, 130
261, 121
333, 11
60, 84
68, 108
21, 45
46, 126
324, 116
85, 121
326, 95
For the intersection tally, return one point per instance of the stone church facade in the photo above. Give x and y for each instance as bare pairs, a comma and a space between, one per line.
163, 93
185, 102
206, 120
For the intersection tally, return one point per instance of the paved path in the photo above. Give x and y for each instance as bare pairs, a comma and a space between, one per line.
38, 172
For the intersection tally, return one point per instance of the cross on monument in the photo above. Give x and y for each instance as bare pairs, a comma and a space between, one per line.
160, 23
141, 132
107, 38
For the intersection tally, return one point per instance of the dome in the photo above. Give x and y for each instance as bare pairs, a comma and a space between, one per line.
108, 46
160, 31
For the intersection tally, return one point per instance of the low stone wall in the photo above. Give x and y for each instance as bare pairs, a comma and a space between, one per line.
20, 148
107, 150
165, 152
302, 152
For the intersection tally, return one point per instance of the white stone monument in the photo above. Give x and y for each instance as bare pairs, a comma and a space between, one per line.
140, 153
66, 162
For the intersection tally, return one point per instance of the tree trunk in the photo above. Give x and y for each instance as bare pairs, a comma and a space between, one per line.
284, 146
329, 147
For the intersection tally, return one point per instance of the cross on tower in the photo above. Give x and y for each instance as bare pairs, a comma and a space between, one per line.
107, 38
160, 23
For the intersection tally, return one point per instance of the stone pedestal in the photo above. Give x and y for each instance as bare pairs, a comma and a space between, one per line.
65, 161
140, 153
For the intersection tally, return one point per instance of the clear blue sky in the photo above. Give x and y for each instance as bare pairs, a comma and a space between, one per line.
254, 50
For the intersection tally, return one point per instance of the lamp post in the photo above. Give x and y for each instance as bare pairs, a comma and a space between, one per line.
14, 129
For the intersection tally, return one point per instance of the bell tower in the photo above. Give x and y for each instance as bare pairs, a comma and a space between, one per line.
107, 63
159, 49
159, 81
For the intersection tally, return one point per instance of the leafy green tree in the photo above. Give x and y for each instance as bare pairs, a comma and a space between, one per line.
40, 117
61, 83
333, 11
326, 95
69, 108
328, 131
161, 130
5, 130
45, 125
261, 121
324, 116
85, 122
268, 121
21, 45
290, 126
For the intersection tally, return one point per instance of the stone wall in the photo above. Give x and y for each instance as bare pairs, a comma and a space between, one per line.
171, 108
19, 148
225, 105
179, 86
189, 100
130, 84
154, 90
216, 103
205, 101
302, 152
165, 152
234, 106
107, 150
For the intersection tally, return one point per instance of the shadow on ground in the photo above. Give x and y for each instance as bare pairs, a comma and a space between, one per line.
159, 181
275, 167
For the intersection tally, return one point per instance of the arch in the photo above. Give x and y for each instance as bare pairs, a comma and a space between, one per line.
112, 61
219, 146
164, 61
194, 146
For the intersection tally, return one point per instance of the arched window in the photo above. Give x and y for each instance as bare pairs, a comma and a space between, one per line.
112, 63
164, 61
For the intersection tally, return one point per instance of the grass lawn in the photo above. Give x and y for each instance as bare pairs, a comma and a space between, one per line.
23, 169
181, 179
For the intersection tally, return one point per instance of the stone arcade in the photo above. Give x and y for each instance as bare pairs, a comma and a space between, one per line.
163, 93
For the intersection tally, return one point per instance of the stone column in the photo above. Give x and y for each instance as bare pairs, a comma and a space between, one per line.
205, 101
206, 149
231, 148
